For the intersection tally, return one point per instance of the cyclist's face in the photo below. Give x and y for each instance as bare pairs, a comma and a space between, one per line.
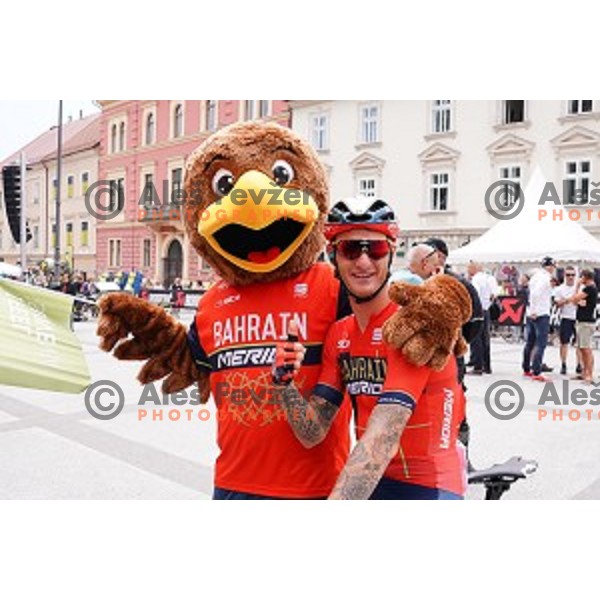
363, 274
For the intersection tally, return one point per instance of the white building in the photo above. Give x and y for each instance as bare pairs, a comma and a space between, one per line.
81, 141
434, 160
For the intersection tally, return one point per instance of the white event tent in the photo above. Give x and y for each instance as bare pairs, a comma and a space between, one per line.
526, 238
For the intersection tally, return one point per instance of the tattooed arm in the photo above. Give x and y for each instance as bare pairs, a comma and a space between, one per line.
310, 419
372, 454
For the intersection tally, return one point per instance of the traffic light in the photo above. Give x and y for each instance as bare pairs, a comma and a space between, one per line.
11, 180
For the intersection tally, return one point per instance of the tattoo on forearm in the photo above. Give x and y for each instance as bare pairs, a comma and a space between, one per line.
310, 419
372, 454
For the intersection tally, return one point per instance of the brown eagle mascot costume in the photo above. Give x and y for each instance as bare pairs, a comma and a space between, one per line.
255, 205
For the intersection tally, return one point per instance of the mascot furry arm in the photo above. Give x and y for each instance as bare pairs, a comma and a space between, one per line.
157, 338
427, 328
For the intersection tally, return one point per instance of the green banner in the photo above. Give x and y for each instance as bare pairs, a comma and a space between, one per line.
37, 347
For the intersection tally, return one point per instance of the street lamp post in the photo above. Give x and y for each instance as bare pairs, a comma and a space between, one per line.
58, 179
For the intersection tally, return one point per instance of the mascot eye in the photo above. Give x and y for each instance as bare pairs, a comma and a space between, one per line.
223, 182
282, 172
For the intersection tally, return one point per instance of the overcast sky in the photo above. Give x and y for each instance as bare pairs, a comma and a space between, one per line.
23, 120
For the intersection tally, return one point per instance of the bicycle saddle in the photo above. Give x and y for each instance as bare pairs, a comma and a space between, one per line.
511, 470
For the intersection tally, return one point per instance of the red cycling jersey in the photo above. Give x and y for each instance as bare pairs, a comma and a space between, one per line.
371, 373
234, 337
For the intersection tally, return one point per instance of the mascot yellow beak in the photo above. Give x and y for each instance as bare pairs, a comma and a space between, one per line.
258, 225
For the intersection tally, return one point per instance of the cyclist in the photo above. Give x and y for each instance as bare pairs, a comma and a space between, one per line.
406, 417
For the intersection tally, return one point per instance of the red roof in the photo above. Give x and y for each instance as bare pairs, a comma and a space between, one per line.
80, 134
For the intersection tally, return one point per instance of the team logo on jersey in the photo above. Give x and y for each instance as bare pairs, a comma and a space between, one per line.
343, 344
377, 336
446, 433
226, 301
250, 356
301, 290
363, 374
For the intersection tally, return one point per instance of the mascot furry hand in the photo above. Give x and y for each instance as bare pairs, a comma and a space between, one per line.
255, 206
427, 328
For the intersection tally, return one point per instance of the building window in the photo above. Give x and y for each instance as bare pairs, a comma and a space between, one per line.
69, 238
122, 136
147, 254
36, 193
121, 196
114, 251
577, 176
263, 108
85, 182
513, 111
319, 132
53, 235
113, 139
116, 195
369, 124
578, 107
510, 193
36, 236
70, 186
441, 121
178, 121
439, 191
149, 193
84, 238
176, 181
249, 110
150, 129
367, 186
210, 122
55, 188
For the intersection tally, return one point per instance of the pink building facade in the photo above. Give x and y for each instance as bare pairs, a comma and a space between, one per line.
144, 146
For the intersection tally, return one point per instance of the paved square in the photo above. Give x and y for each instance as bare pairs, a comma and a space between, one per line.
50, 447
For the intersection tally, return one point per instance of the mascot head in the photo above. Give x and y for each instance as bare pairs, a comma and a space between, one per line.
255, 203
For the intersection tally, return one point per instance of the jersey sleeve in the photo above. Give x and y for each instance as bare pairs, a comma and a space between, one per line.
198, 353
404, 382
330, 385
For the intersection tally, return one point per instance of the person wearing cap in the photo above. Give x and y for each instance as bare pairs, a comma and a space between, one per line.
441, 249
538, 320
472, 328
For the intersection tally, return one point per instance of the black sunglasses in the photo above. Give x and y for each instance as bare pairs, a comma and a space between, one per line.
353, 249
